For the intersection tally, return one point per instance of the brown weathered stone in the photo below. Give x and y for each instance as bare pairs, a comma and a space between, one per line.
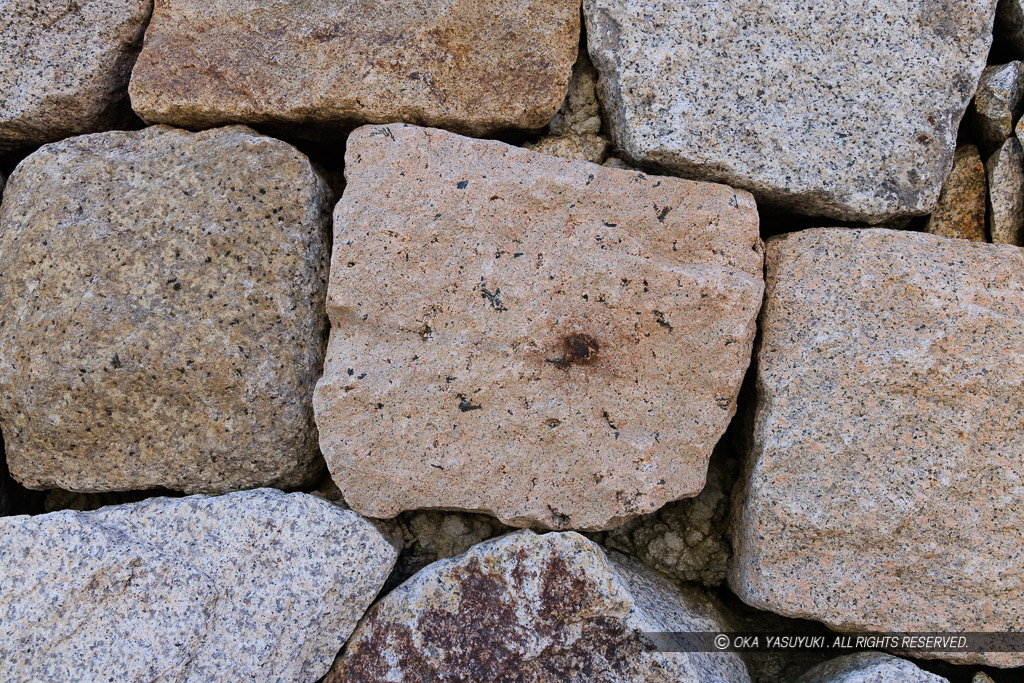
65, 66
883, 490
961, 210
162, 312
996, 106
476, 66
547, 609
553, 342
1005, 171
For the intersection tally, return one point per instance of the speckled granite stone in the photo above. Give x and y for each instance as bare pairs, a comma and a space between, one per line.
550, 609
1005, 172
996, 106
685, 540
315, 68
883, 487
1009, 26
869, 667
846, 109
162, 312
552, 342
256, 586
65, 66
960, 213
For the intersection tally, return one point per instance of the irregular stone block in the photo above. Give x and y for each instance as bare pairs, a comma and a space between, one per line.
319, 68
552, 342
882, 491
844, 109
534, 608
960, 213
996, 105
162, 312
66, 67
1005, 171
869, 667
258, 586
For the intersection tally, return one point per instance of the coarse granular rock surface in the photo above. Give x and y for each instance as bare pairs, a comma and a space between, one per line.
869, 667
475, 66
846, 109
552, 342
883, 487
65, 66
1005, 173
162, 312
685, 540
258, 586
996, 105
524, 607
960, 212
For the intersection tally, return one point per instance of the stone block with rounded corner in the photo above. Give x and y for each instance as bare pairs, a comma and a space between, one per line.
553, 342
884, 486
162, 312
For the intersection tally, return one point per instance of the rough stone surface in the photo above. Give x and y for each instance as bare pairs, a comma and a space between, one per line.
552, 608
883, 485
996, 105
574, 132
846, 109
1005, 171
473, 66
65, 66
685, 540
869, 667
1009, 26
961, 210
162, 312
258, 586
556, 343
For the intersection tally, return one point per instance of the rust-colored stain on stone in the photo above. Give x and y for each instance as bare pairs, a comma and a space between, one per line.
547, 609
527, 336
315, 68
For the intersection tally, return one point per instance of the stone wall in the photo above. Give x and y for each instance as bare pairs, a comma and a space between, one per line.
494, 341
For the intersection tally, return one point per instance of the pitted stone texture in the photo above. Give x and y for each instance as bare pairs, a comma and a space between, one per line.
552, 342
996, 105
1005, 172
685, 540
883, 488
258, 586
960, 213
65, 66
846, 109
475, 66
162, 312
869, 667
551, 608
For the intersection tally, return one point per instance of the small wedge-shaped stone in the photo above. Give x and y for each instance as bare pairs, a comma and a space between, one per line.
1005, 172
162, 312
883, 490
65, 66
255, 586
846, 108
869, 667
960, 213
317, 68
550, 341
549, 609
997, 103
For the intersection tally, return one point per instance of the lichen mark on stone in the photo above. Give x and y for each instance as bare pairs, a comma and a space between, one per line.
486, 612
